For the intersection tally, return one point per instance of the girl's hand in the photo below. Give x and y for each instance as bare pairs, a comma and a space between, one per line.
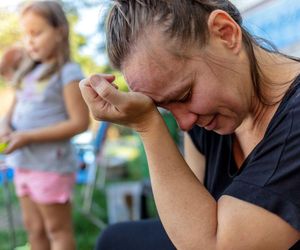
5, 131
17, 140
131, 109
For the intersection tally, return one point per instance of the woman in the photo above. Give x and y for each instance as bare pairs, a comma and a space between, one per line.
238, 187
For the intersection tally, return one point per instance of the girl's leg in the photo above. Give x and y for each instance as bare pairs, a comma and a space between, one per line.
33, 223
58, 224
137, 235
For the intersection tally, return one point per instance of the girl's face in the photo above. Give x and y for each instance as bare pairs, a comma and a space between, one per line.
215, 96
41, 39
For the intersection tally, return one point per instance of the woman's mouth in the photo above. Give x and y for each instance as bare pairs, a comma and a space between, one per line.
212, 124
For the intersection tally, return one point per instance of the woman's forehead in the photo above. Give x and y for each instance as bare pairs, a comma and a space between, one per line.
151, 66
142, 74
160, 82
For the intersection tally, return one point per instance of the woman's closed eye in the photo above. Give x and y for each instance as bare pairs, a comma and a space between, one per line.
186, 97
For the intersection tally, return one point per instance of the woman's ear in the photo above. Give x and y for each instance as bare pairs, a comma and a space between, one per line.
222, 27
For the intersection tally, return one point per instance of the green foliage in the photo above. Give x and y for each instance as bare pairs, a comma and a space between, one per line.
9, 29
2, 84
120, 81
10, 34
78, 41
86, 233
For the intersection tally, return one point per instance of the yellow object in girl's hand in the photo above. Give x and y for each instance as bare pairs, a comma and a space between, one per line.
3, 146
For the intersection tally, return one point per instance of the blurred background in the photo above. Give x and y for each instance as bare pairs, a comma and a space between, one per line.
113, 180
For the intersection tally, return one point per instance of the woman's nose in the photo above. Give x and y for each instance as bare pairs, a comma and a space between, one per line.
185, 119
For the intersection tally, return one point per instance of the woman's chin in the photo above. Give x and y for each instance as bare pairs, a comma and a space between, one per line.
225, 130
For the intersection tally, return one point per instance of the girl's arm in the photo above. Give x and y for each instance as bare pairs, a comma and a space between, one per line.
78, 118
5, 125
77, 122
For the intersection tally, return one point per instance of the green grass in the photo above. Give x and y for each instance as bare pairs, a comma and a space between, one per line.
85, 231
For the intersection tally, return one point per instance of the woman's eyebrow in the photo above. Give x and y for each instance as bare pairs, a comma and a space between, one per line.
175, 95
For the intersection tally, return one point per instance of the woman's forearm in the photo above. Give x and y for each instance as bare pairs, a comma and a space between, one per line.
187, 210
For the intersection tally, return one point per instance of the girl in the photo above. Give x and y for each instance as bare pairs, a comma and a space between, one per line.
47, 111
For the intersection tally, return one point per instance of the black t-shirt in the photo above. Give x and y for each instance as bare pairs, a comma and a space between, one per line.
270, 175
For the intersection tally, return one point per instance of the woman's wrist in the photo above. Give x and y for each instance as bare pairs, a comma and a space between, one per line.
151, 125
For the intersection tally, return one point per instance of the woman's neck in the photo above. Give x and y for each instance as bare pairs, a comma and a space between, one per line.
278, 73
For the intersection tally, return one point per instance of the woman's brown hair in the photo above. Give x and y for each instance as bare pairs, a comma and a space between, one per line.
185, 21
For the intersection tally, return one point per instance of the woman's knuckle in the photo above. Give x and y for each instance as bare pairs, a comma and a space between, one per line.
105, 93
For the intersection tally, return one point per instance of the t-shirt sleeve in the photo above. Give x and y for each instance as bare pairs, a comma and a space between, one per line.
71, 72
271, 176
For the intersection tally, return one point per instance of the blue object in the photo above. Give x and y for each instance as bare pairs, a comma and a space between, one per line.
86, 156
7, 173
100, 137
277, 21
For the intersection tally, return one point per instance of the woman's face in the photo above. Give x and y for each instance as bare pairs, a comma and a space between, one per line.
214, 95
40, 38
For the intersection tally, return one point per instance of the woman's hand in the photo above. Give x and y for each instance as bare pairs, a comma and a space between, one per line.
107, 103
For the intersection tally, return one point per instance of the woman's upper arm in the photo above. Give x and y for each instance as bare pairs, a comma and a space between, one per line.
242, 225
194, 158
75, 105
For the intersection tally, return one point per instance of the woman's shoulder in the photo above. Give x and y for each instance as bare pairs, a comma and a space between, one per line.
293, 93
291, 99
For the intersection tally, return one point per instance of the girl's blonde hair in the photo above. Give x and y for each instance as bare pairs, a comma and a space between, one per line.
54, 14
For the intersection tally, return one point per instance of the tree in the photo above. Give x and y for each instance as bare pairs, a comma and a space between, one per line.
9, 29
89, 65
10, 34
